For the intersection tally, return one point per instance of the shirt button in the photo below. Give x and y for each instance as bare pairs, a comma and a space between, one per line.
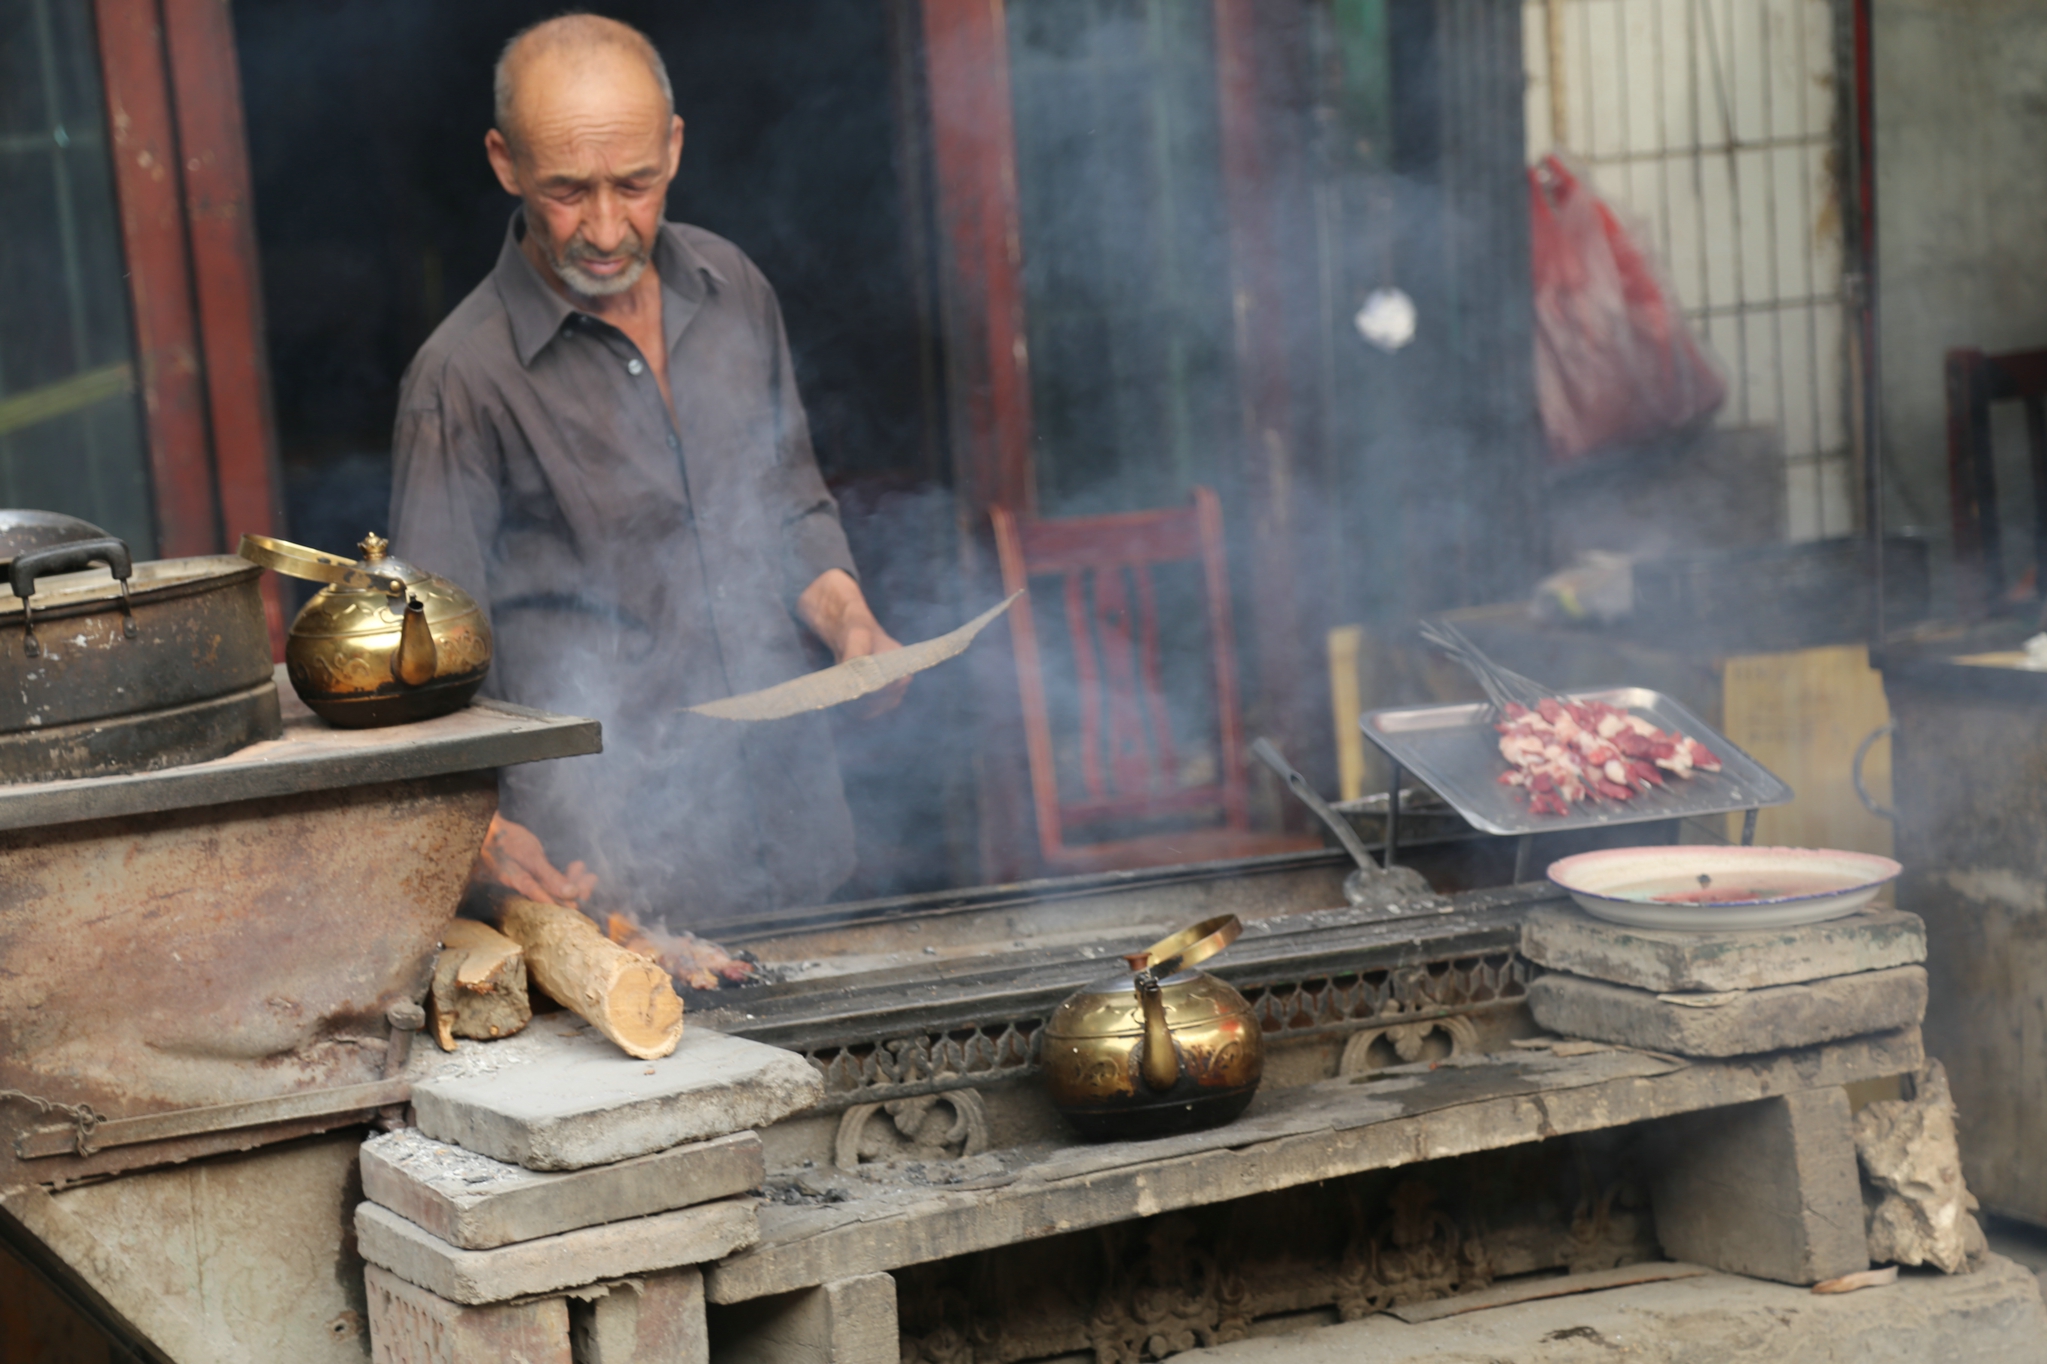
673, 443
634, 366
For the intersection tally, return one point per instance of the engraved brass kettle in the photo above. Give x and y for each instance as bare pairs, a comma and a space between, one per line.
384, 643
1160, 1049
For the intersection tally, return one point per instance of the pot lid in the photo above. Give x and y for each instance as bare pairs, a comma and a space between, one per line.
22, 530
153, 580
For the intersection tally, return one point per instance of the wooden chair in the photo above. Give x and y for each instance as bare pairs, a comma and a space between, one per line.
1128, 755
1974, 382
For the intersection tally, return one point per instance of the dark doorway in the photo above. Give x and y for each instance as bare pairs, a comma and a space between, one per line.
377, 213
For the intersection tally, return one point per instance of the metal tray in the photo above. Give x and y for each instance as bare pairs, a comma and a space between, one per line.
1455, 751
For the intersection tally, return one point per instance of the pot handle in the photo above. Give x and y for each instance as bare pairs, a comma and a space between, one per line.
1869, 802
69, 558
1188, 947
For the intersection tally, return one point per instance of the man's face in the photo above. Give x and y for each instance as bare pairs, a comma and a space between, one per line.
594, 150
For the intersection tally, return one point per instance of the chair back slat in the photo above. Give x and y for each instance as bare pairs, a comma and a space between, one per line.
1129, 758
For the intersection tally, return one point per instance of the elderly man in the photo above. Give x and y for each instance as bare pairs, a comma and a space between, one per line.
604, 444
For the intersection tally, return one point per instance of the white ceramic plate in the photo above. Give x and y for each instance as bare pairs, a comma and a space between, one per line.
1707, 887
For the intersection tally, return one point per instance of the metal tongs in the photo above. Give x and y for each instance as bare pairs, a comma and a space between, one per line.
1503, 686
1360, 886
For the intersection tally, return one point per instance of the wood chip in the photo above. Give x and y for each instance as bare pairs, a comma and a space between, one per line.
1570, 1049
1868, 1278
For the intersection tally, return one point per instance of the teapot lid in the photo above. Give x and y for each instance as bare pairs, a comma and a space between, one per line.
374, 572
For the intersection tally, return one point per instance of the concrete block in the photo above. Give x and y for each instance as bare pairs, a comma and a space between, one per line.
409, 1325
478, 1203
847, 1321
1773, 1019
687, 1236
655, 1320
1767, 1189
1565, 938
575, 1100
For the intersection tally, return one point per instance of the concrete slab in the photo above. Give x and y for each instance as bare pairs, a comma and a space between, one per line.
687, 1236
848, 1321
1565, 938
1748, 1024
409, 1325
478, 1203
1993, 1316
562, 1097
1766, 1189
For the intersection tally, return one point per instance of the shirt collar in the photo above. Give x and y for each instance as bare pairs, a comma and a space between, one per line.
537, 312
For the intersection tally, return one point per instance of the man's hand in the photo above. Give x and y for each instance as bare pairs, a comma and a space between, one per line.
836, 610
512, 857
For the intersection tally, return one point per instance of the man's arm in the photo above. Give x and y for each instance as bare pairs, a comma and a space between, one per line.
836, 610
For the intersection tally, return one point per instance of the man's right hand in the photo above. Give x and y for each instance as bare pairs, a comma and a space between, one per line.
513, 857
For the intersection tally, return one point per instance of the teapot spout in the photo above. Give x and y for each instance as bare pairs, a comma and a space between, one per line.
1160, 1063
416, 660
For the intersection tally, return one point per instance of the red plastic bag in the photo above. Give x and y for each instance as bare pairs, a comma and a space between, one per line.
1615, 363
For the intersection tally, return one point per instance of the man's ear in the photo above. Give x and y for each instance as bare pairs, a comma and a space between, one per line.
674, 144
500, 153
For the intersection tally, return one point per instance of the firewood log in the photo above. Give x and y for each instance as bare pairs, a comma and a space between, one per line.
479, 985
622, 994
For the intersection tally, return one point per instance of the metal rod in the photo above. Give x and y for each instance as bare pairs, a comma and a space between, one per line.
1393, 817
70, 1139
1748, 828
1523, 846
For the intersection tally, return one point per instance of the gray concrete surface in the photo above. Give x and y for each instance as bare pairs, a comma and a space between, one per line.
1565, 938
1994, 1316
687, 1236
477, 1203
1779, 1017
559, 1096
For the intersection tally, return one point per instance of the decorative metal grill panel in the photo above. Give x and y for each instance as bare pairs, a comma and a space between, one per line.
899, 1067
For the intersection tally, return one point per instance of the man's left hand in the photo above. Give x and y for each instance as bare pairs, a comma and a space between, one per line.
836, 611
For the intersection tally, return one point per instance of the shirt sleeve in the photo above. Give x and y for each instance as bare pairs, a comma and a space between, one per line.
813, 540
444, 486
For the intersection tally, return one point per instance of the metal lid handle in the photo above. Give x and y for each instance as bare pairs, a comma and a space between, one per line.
297, 561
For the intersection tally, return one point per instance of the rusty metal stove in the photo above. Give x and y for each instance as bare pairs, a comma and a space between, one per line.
233, 932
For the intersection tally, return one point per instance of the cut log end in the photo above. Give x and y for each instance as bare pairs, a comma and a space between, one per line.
623, 994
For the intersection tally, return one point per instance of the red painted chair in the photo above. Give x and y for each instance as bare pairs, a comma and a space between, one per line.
1124, 777
1974, 382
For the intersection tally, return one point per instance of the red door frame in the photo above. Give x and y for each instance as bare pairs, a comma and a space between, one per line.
181, 177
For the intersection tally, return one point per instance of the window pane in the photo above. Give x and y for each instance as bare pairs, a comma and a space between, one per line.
71, 436
1126, 266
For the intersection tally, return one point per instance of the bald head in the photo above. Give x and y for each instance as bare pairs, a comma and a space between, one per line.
576, 51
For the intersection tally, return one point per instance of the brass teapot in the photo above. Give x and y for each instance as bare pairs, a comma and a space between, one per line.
1159, 1050
384, 643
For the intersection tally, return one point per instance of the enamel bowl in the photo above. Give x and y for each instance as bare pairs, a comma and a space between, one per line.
1704, 887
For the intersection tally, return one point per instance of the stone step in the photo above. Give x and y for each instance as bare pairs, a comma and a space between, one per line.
478, 1203
1566, 938
1748, 1023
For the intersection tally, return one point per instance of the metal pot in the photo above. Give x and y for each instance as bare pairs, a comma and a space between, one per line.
1159, 1050
383, 643
133, 668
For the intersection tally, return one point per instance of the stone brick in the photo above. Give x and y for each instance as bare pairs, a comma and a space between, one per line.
687, 1236
1565, 938
573, 1100
846, 1321
409, 1325
655, 1320
477, 1203
1778, 1018
1767, 1189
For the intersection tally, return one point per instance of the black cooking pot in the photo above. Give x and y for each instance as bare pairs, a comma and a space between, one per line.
22, 531
109, 666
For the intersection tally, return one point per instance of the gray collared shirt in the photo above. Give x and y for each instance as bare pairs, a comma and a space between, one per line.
637, 559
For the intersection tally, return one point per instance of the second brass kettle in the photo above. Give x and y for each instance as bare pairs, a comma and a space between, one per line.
384, 643
1159, 1049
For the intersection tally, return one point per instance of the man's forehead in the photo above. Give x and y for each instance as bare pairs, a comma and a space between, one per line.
582, 95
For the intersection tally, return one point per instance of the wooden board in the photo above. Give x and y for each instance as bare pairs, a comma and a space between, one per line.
312, 756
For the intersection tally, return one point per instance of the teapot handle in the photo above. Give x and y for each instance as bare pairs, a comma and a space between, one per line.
1188, 947
297, 561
